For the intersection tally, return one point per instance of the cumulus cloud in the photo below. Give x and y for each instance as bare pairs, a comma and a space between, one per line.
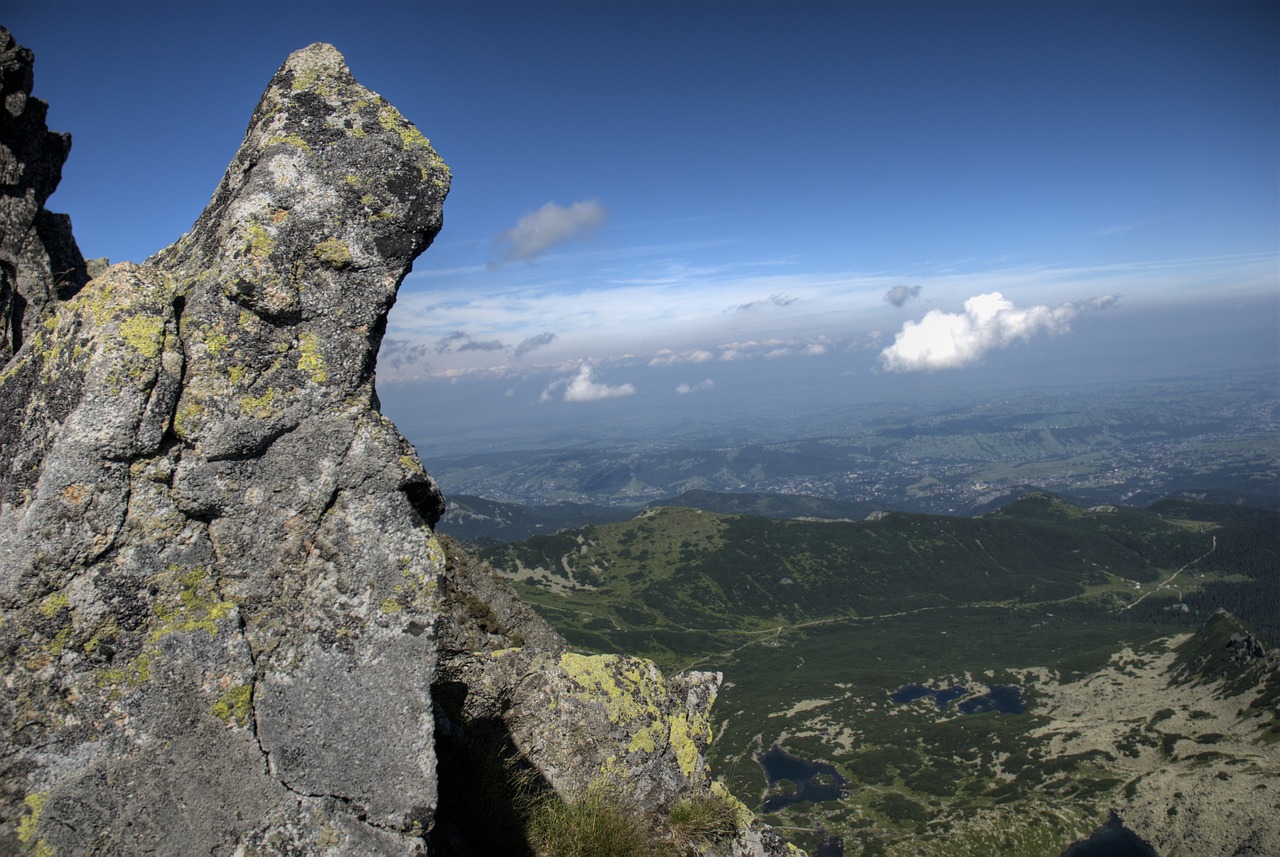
943, 340
686, 389
772, 300
539, 231
534, 342
899, 295
584, 387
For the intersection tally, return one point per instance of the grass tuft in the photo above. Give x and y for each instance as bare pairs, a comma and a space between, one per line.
596, 825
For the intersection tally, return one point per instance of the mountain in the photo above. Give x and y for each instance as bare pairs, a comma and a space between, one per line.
782, 506
996, 684
227, 623
479, 521
475, 520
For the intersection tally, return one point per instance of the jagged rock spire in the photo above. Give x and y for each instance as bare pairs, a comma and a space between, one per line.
39, 260
219, 584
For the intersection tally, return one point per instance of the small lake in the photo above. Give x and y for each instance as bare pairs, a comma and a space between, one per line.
1113, 839
1006, 698
815, 781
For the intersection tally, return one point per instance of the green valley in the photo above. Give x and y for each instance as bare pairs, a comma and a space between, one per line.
817, 624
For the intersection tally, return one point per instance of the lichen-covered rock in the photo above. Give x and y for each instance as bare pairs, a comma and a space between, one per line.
218, 580
40, 263
509, 689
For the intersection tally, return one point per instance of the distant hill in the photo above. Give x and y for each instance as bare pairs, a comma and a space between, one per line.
675, 568
780, 506
476, 520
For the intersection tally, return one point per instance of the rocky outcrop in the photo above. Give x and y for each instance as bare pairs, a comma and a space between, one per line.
226, 621
39, 260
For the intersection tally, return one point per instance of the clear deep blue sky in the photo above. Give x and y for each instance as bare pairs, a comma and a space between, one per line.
660, 206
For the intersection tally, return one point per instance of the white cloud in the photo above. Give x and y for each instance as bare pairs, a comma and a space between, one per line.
666, 357
943, 340
686, 389
584, 388
539, 231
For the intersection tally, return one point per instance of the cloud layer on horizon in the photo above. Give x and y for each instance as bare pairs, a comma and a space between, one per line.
456, 324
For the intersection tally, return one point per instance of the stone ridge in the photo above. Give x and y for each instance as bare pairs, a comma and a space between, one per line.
227, 623
39, 260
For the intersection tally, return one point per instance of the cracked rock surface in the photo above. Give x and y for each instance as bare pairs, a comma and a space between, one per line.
219, 581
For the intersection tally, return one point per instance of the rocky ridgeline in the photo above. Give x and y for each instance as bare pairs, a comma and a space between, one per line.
227, 624
39, 260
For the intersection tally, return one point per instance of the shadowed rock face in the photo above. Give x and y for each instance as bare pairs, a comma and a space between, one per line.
226, 622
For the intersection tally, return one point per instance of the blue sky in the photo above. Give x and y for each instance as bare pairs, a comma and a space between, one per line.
661, 203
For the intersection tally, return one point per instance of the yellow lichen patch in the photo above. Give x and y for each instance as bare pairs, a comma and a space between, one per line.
105, 632
391, 120
310, 360
28, 825
185, 418
236, 704
59, 642
197, 606
630, 690
684, 744
53, 604
215, 342
290, 140
333, 253
260, 406
390, 605
134, 673
144, 334
261, 242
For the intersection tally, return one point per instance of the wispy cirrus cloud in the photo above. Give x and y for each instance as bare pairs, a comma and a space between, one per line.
539, 231
772, 300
